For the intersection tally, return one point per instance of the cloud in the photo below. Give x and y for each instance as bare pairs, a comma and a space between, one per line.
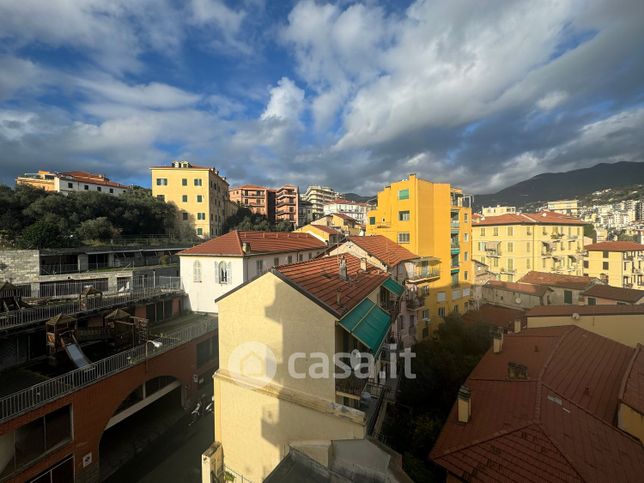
551, 100
286, 102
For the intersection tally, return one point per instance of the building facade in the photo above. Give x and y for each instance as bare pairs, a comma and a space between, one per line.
318, 196
564, 207
200, 194
287, 200
513, 244
617, 263
258, 199
430, 220
354, 209
71, 181
498, 210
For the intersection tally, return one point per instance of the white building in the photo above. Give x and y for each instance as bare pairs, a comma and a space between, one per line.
354, 209
217, 266
71, 181
498, 210
318, 196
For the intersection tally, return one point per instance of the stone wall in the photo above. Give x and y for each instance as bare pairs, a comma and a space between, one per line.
19, 266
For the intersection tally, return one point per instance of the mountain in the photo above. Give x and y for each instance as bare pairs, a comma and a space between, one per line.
570, 184
356, 197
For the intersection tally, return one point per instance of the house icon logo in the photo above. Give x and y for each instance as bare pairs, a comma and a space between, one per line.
252, 363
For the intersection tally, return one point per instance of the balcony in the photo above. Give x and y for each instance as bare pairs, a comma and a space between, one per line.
414, 302
424, 273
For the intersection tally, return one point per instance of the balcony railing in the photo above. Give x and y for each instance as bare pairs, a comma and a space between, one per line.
59, 268
22, 317
52, 389
413, 302
425, 273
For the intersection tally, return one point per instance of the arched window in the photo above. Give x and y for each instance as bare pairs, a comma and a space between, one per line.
196, 271
223, 272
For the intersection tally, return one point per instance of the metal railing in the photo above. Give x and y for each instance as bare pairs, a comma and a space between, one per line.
122, 263
47, 391
425, 272
17, 318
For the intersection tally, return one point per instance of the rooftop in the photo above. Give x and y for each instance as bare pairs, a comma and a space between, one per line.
632, 392
325, 229
340, 201
85, 177
344, 217
620, 294
565, 310
574, 282
557, 424
540, 218
319, 279
615, 246
493, 315
259, 242
382, 248
525, 288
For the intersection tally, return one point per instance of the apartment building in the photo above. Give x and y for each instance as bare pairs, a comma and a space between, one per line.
354, 209
217, 266
513, 244
328, 234
564, 207
341, 222
258, 199
432, 220
71, 181
305, 212
318, 196
287, 200
265, 399
200, 194
548, 404
498, 210
601, 294
617, 263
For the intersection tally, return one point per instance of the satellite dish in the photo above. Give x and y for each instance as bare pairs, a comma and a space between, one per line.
517, 300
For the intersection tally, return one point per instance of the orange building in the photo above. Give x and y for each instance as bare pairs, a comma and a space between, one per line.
259, 199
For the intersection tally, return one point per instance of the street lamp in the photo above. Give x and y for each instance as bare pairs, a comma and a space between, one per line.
156, 344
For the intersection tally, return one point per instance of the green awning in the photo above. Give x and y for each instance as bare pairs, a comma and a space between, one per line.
368, 323
394, 287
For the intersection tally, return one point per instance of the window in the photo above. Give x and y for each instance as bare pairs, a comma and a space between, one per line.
403, 237
276, 261
223, 272
403, 215
59, 472
482, 231
496, 231
184, 198
585, 263
196, 271
466, 237
567, 296
201, 216
86, 188
198, 182
441, 312
496, 262
604, 265
605, 254
465, 217
70, 185
310, 255
465, 275
372, 220
510, 230
184, 215
466, 256
527, 246
111, 190
592, 301
98, 188
403, 194
300, 257
184, 182
426, 315
528, 264
199, 231
510, 264
290, 259
161, 197
199, 198
528, 231
259, 266
162, 182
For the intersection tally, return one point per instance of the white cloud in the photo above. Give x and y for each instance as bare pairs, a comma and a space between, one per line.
286, 102
552, 100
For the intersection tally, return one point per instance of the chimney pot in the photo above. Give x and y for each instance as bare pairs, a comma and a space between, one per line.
343, 269
464, 404
245, 247
363, 264
498, 342
517, 326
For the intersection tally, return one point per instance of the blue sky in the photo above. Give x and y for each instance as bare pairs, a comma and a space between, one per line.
349, 94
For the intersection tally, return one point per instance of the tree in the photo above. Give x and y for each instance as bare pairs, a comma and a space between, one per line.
589, 231
245, 220
43, 234
97, 229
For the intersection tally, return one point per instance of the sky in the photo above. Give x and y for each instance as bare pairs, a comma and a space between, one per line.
353, 95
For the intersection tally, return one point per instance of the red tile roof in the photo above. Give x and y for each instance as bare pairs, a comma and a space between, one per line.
493, 315
320, 279
547, 279
541, 218
260, 242
615, 246
382, 248
526, 288
345, 217
632, 392
565, 310
327, 229
630, 295
85, 177
554, 426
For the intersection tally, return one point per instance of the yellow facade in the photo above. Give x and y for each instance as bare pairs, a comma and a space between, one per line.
616, 268
44, 180
512, 250
200, 194
256, 423
430, 220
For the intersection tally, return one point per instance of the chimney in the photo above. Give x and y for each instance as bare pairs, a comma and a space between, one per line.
245, 247
498, 342
517, 371
517, 326
343, 269
338, 298
464, 404
363, 264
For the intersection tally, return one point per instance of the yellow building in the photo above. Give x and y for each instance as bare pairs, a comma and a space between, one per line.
498, 210
344, 223
327, 234
514, 244
430, 220
564, 207
270, 390
200, 193
617, 263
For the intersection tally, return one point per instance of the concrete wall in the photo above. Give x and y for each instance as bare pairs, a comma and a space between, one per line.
19, 266
556, 297
626, 329
506, 298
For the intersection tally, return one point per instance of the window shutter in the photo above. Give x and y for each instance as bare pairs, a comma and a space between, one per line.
216, 272
229, 272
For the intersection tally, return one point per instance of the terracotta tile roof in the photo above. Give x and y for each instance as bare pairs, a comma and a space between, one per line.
248, 186
547, 279
494, 315
382, 248
632, 392
260, 242
85, 177
615, 246
620, 294
554, 426
526, 288
345, 217
540, 218
320, 279
564, 310
326, 229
